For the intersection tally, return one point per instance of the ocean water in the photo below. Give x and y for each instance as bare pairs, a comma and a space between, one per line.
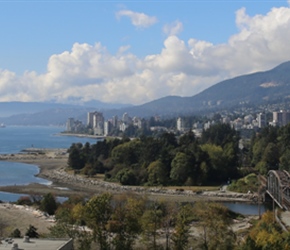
16, 138
13, 139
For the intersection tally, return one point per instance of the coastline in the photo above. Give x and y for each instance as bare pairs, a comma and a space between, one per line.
52, 164
82, 135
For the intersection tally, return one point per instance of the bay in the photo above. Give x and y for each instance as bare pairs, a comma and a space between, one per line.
14, 139
14, 173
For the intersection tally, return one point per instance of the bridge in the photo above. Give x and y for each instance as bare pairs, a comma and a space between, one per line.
278, 188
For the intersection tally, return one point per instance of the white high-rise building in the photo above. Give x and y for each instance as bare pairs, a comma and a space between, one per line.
180, 124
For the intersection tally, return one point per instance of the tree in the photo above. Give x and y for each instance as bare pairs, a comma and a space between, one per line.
98, 212
16, 233
214, 222
76, 158
157, 174
180, 168
285, 160
220, 135
126, 153
32, 232
48, 204
267, 234
187, 139
126, 177
70, 223
151, 221
181, 229
217, 168
125, 223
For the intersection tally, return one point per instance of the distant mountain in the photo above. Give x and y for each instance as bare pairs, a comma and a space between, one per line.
56, 116
14, 108
252, 89
37, 113
272, 86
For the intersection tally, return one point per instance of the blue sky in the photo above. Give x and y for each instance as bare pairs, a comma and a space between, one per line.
134, 51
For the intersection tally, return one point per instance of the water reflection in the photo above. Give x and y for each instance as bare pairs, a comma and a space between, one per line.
247, 208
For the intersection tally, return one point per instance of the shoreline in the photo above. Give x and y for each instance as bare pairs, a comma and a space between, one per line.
52, 165
82, 135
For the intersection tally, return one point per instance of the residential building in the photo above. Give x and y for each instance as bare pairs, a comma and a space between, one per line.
281, 118
98, 123
73, 125
261, 119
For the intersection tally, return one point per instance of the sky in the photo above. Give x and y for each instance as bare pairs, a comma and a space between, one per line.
133, 52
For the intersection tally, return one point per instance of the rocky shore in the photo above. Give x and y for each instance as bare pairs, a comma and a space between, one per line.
52, 164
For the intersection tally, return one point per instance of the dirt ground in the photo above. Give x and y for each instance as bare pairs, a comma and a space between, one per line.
13, 216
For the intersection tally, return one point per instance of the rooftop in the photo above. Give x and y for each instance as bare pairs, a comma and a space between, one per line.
32, 244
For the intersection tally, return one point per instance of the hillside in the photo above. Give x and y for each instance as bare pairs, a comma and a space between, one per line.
271, 86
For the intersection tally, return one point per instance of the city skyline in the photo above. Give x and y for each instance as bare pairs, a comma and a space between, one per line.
134, 51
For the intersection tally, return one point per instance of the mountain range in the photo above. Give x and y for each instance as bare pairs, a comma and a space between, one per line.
272, 86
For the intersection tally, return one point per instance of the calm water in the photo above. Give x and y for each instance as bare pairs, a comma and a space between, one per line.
14, 173
246, 208
16, 138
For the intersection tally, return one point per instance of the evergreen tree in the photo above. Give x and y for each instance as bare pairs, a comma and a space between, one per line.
48, 204
32, 232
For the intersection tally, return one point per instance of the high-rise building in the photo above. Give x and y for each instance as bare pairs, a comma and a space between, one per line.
180, 124
115, 121
281, 118
90, 119
107, 127
261, 119
70, 124
98, 123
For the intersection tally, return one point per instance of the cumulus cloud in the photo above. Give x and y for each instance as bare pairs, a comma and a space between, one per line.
138, 19
173, 28
90, 72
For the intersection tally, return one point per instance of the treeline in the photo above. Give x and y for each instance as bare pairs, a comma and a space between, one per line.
162, 160
270, 149
134, 222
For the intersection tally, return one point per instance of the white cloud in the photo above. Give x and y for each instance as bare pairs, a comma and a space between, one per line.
173, 29
183, 68
139, 20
